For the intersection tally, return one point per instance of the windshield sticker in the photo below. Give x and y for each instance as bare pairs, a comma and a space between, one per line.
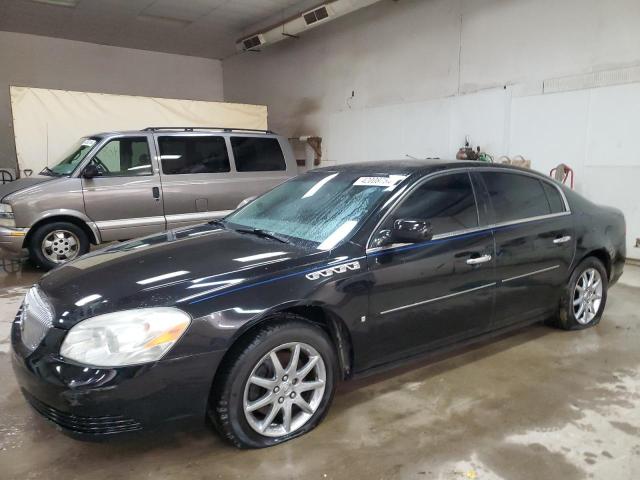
389, 181
89, 142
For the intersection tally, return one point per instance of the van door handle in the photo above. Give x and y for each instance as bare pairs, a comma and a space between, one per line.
560, 240
479, 260
156, 192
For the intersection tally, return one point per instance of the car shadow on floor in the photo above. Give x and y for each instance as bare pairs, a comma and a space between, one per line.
349, 394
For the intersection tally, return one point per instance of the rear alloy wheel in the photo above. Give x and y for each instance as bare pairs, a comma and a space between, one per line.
56, 243
585, 297
276, 384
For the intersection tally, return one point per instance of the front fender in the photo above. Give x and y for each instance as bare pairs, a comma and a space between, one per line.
67, 212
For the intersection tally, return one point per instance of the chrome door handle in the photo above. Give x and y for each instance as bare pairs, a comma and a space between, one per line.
560, 240
478, 260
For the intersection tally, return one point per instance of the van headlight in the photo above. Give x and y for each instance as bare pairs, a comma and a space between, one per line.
129, 337
7, 218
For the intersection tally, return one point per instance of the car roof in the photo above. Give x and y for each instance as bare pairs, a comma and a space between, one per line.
417, 167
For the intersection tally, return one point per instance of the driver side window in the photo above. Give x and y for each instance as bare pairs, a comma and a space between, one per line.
447, 202
124, 157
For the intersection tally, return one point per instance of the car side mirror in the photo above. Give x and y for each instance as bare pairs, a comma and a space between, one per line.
90, 171
411, 231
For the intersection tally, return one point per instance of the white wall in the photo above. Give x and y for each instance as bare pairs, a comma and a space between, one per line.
425, 73
33, 61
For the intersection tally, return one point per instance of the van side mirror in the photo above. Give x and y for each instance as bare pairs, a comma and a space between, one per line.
245, 201
90, 171
411, 231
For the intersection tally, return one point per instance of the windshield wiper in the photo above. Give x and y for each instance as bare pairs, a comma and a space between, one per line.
218, 221
262, 233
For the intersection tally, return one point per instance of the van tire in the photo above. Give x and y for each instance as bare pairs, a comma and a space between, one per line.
66, 241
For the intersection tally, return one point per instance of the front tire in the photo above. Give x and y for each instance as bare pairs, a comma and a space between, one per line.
585, 296
277, 384
53, 244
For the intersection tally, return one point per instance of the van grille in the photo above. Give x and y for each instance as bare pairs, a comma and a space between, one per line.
36, 318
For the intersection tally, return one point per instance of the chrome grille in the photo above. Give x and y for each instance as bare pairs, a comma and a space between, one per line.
36, 318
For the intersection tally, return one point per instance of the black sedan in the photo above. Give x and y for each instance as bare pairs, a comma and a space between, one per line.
253, 319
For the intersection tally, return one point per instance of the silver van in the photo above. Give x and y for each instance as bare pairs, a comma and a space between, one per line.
121, 185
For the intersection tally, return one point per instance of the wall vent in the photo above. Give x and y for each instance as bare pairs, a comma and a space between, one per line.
252, 42
592, 80
299, 22
316, 15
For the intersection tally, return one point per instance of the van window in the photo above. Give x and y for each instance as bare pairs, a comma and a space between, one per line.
553, 196
124, 157
447, 202
193, 154
255, 154
515, 196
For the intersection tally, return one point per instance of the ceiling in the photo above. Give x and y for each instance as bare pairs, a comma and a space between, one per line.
201, 28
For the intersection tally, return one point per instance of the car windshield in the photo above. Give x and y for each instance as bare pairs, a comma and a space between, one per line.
318, 208
72, 158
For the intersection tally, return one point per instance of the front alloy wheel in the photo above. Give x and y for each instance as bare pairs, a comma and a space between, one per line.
60, 246
276, 383
284, 389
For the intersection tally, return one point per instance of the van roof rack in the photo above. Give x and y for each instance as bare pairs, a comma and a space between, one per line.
222, 129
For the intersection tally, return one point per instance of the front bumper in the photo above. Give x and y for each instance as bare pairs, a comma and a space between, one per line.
12, 240
96, 403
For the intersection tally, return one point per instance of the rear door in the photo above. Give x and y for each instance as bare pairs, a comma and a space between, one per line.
435, 292
125, 199
198, 182
259, 162
534, 244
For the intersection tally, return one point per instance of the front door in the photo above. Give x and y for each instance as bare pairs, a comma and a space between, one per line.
125, 199
535, 243
435, 292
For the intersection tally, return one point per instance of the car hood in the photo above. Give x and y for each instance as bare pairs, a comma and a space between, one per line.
165, 269
21, 184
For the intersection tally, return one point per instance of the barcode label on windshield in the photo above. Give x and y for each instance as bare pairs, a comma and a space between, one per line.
89, 142
390, 181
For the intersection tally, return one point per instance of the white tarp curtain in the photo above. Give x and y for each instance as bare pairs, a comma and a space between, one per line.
47, 122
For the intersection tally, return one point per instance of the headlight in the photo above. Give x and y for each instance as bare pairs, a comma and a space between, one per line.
6, 215
123, 338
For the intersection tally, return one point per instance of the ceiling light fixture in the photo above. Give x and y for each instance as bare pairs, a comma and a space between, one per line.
59, 3
167, 21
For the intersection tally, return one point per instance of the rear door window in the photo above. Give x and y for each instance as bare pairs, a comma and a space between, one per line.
515, 196
256, 154
193, 154
553, 197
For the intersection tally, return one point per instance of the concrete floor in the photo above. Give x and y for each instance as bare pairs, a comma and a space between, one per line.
536, 404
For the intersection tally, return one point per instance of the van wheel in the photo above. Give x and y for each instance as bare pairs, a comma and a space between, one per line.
53, 244
585, 296
277, 385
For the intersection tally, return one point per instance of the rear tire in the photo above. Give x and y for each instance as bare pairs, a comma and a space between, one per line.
56, 243
585, 296
294, 401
